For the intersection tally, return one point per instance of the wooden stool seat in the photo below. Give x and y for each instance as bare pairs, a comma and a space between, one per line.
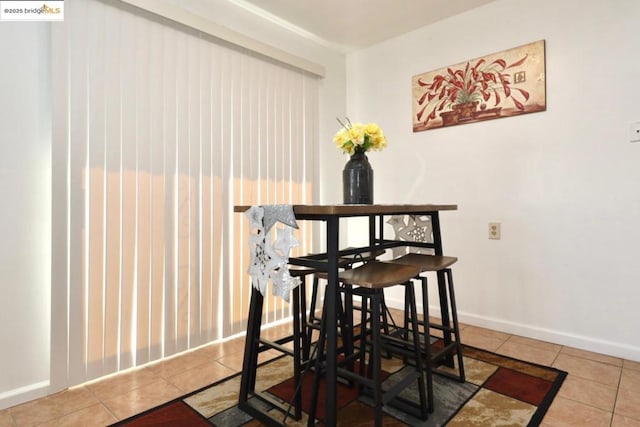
426, 262
378, 274
370, 280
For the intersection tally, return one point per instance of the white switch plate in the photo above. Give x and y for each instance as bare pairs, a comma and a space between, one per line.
634, 132
494, 230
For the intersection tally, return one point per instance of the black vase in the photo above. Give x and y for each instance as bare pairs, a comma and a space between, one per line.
357, 180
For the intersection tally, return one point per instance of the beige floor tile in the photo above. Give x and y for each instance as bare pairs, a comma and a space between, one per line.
588, 369
620, 421
142, 398
175, 365
486, 333
485, 342
220, 349
630, 379
200, 376
96, 415
35, 412
462, 325
277, 331
117, 385
234, 361
542, 345
52, 407
6, 420
527, 353
74, 398
567, 413
616, 361
628, 403
630, 364
589, 392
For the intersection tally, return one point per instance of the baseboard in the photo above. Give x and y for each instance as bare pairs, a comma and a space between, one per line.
24, 394
582, 342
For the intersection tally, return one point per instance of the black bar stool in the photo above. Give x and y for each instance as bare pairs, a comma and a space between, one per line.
448, 311
370, 280
345, 262
255, 344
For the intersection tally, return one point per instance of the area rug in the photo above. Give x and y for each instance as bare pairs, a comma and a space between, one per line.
499, 390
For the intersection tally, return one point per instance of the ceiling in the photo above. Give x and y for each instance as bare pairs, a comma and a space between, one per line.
355, 24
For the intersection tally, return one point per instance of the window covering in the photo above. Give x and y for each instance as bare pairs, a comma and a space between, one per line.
158, 132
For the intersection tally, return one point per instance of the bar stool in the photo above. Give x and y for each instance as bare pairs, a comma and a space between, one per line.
344, 262
256, 344
370, 280
448, 311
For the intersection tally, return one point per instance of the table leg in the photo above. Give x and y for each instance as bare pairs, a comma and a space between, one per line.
331, 321
250, 361
442, 287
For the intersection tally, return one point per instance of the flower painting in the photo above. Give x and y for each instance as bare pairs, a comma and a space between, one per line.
502, 84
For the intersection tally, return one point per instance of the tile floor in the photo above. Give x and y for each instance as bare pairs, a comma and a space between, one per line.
599, 390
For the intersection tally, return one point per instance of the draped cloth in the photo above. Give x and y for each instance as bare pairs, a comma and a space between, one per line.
270, 247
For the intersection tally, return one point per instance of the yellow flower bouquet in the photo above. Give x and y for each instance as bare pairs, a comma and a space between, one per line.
359, 137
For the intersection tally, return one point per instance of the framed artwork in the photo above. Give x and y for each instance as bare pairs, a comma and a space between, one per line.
503, 84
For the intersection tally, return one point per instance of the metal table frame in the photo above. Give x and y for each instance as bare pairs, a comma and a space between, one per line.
331, 215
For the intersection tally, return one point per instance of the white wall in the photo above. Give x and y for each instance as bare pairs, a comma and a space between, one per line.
25, 225
564, 183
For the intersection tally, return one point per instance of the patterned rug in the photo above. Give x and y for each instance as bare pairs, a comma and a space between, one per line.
499, 391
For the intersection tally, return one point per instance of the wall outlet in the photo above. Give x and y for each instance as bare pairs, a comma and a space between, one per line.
494, 230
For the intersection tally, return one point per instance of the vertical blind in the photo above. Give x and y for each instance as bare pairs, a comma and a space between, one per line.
158, 132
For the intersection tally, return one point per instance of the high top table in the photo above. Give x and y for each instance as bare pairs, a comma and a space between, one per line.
331, 215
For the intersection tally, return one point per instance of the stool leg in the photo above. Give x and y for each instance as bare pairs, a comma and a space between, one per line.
318, 370
456, 328
444, 314
345, 322
427, 342
313, 320
363, 339
417, 351
297, 365
305, 330
383, 318
252, 340
314, 300
376, 361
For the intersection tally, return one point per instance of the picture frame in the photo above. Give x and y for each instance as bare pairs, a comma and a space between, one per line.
503, 84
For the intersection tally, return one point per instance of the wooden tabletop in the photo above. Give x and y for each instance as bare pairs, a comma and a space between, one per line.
358, 210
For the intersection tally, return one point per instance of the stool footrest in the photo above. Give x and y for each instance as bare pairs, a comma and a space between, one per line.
439, 327
391, 397
263, 415
274, 345
445, 351
391, 393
